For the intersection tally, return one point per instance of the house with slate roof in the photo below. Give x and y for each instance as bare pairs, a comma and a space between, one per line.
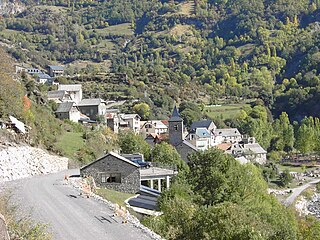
249, 149
207, 124
115, 172
68, 110
73, 90
227, 135
59, 96
44, 78
93, 107
55, 71
200, 138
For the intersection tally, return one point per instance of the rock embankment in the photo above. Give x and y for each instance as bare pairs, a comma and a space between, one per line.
18, 162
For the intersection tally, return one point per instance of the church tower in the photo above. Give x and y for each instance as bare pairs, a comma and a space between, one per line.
175, 128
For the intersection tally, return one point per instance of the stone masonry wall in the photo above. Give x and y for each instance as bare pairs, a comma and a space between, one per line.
18, 161
130, 175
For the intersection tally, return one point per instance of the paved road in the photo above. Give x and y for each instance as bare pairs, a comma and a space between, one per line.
69, 215
297, 191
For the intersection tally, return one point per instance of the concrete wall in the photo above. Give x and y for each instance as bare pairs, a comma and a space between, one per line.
130, 175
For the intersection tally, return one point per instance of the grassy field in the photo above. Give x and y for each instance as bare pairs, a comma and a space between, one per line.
114, 196
123, 29
226, 111
69, 143
187, 8
295, 169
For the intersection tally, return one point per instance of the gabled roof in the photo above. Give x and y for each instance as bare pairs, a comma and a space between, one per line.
90, 102
203, 133
158, 124
64, 107
56, 94
129, 116
185, 142
56, 68
165, 122
201, 124
70, 87
224, 146
254, 148
43, 75
175, 116
114, 155
227, 132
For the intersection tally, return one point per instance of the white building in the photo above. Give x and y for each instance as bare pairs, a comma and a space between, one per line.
153, 126
129, 121
73, 90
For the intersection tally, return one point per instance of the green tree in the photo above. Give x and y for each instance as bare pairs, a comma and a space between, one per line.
129, 142
165, 153
143, 110
285, 177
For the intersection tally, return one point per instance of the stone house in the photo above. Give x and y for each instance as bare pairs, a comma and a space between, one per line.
251, 150
153, 126
73, 90
68, 110
115, 172
93, 108
55, 71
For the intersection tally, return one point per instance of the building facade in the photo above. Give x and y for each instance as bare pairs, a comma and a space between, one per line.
114, 172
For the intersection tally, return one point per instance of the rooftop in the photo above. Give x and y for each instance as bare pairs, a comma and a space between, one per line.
56, 94
227, 132
65, 107
43, 75
201, 124
114, 155
175, 116
254, 148
129, 116
203, 132
70, 87
56, 68
90, 102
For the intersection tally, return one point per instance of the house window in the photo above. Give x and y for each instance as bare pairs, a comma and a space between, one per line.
176, 127
110, 178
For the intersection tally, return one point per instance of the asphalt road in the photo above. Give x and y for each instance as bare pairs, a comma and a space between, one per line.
68, 215
297, 191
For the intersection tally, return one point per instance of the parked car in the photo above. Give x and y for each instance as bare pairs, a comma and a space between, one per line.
142, 164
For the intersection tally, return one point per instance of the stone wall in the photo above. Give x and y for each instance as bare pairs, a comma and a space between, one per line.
3, 229
130, 175
17, 161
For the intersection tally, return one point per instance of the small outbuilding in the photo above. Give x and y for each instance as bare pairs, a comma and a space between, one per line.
115, 172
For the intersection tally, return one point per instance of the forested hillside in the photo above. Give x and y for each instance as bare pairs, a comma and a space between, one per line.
242, 48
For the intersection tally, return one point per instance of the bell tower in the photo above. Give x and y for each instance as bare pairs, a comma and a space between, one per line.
175, 128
